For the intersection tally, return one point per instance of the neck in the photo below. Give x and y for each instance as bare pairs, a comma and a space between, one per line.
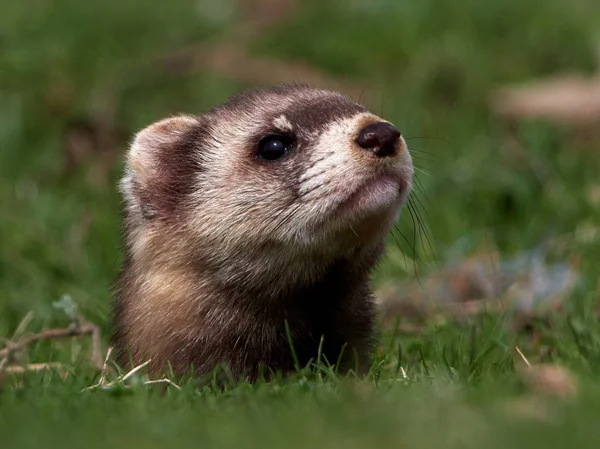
197, 316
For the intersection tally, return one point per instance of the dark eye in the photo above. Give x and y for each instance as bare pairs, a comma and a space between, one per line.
273, 147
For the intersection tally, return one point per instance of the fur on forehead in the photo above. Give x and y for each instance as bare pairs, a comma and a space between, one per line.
288, 107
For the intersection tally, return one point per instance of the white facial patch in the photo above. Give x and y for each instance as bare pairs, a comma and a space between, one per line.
333, 152
282, 123
338, 170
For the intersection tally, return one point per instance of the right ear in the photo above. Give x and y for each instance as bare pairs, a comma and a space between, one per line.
159, 166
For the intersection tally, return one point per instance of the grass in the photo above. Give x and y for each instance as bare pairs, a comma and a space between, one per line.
427, 66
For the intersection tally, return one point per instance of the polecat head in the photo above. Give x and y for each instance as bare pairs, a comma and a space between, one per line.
270, 177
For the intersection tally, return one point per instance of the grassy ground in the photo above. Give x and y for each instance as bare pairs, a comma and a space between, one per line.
428, 66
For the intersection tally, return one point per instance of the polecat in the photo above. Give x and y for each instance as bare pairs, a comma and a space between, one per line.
259, 220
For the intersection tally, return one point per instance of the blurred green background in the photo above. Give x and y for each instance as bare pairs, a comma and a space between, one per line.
78, 79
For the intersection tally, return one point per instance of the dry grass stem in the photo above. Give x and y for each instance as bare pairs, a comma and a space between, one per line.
84, 329
523, 357
162, 381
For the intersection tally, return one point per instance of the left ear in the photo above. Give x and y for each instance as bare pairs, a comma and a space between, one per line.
156, 166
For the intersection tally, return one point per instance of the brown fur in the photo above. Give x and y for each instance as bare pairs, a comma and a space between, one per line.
223, 249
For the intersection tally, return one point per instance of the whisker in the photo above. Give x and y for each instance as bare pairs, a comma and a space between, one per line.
422, 228
416, 150
416, 223
419, 185
416, 154
416, 198
365, 89
422, 171
286, 218
412, 247
395, 228
414, 228
418, 157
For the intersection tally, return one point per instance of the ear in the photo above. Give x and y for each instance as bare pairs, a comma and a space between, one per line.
160, 165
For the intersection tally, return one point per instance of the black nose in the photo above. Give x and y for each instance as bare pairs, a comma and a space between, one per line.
380, 138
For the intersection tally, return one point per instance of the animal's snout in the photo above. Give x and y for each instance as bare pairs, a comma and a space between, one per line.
380, 138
